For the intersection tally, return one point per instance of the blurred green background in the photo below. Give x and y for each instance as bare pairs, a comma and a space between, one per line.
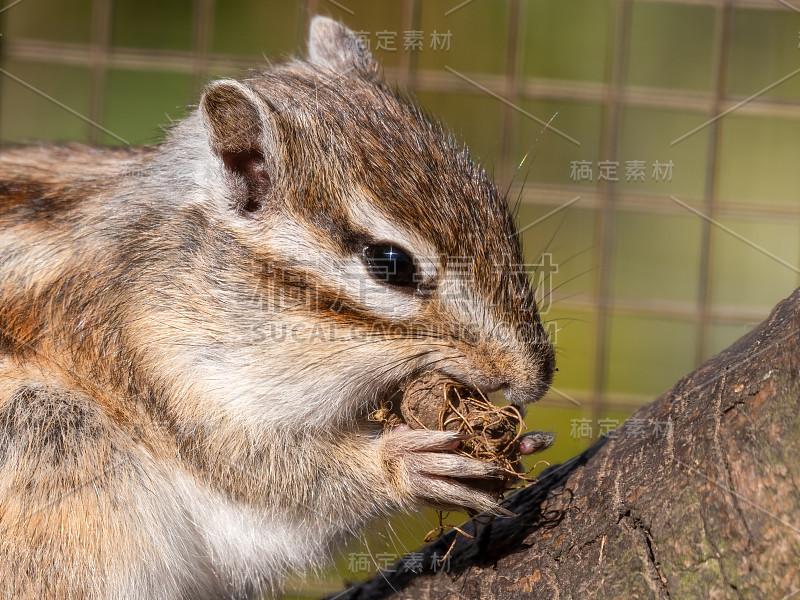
672, 232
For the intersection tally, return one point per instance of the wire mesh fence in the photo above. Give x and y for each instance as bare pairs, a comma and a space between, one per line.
651, 146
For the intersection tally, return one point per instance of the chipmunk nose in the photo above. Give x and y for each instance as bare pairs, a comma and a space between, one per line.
521, 366
533, 384
521, 379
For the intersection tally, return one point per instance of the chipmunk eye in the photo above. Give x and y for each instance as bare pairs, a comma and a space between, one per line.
390, 264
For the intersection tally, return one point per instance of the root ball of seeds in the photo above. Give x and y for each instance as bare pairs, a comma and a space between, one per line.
433, 401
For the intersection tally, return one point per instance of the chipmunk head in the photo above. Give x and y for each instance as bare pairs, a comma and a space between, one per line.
355, 244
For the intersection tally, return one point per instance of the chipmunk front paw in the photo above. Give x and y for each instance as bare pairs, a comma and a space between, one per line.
422, 469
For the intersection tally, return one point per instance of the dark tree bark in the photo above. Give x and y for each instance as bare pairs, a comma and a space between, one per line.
695, 496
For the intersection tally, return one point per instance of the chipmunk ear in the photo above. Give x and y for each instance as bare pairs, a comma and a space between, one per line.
242, 133
334, 46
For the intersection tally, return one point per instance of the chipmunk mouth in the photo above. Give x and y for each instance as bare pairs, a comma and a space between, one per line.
393, 396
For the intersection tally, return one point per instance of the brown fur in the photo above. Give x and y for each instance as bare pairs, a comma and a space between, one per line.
154, 441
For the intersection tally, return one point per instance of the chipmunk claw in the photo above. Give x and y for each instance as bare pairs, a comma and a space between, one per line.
423, 470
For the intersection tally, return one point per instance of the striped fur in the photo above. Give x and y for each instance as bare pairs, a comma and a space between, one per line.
190, 342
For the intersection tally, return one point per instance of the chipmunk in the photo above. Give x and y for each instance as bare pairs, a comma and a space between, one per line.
193, 334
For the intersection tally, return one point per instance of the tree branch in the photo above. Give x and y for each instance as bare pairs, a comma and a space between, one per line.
695, 496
